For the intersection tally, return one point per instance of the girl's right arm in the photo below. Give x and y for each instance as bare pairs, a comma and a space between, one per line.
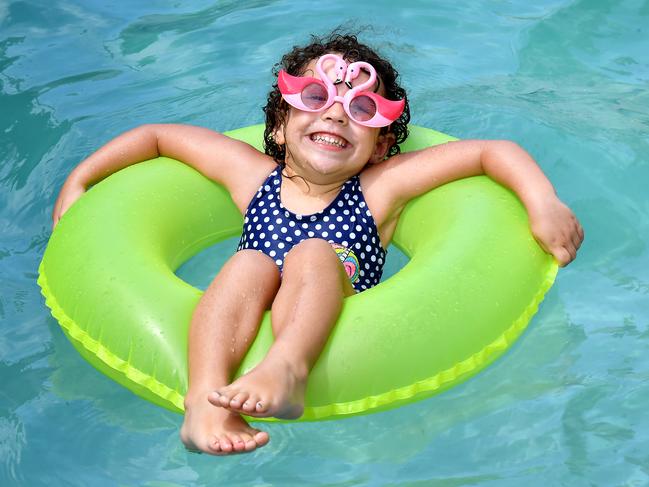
235, 164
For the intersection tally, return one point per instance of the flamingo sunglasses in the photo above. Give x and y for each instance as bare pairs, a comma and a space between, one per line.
316, 95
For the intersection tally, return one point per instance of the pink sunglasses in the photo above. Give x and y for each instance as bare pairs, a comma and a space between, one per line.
316, 95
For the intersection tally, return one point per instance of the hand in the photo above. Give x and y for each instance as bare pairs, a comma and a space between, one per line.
71, 192
556, 228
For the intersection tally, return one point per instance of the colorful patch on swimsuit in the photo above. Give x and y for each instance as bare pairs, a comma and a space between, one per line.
349, 260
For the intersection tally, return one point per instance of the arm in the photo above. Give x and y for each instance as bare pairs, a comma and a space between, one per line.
552, 223
225, 160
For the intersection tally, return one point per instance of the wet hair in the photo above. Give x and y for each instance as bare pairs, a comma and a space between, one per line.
295, 62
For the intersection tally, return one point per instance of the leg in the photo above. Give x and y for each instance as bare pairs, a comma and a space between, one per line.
305, 310
223, 326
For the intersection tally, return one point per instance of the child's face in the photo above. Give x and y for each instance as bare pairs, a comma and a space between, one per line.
322, 161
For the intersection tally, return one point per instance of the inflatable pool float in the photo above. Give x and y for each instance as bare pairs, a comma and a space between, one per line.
475, 278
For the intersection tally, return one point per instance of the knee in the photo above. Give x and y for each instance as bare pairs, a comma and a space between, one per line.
310, 254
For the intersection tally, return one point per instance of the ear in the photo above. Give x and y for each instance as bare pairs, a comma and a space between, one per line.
381, 148
278, 135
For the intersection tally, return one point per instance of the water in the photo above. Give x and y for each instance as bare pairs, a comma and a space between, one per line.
567, 80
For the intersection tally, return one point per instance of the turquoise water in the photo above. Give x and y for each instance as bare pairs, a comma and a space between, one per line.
568, 80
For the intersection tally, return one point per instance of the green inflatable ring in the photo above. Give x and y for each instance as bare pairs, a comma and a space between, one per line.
475, 278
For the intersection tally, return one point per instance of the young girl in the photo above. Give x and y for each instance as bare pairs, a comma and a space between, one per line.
332, 183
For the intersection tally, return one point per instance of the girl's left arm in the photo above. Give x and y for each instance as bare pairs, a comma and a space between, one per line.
552, 223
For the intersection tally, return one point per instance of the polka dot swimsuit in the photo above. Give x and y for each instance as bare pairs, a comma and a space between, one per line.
346, 224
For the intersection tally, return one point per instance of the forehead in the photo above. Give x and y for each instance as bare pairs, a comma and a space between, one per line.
330, 67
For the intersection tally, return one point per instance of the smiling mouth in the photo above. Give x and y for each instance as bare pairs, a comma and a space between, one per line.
328, 139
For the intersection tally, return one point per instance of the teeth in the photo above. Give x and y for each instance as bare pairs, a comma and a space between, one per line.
327, 139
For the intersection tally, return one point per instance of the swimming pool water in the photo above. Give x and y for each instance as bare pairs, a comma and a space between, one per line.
568, 80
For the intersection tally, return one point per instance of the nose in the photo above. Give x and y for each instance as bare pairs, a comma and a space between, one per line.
335, 113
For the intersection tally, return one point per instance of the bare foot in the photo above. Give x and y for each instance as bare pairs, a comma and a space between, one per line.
217, 431
273, 388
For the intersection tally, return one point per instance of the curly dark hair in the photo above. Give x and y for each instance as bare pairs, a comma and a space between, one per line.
295, 62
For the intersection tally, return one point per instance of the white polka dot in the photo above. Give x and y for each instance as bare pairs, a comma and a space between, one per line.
373, 258
249, 227
368, 247
373, 239
261, 203
345, 227
272, 253
352, 218
266, 188
255, 219
258, 227
332, 226
325, 234
357, 245
278, 221
362, 255
255, 243
283, 230
313, 217
340, 203
364, 237
297, 232
270, 197
339, 218
253, 211
271, 227
305, 225
266, 244
339, 235
380, 260
352, 235
346, 212
318, 227
289, 239
310, 233
274, 236
262, 235
367, 265
264, 211
280, 245
278, 262
266, 219
344, 243
245, 220
359, 228
275, 212
291, 223
299, 217
325, 218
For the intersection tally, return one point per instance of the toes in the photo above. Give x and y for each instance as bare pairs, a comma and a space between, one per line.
249, 442
226, 445
221, 398
250, 404
215, 444
238, 400
261, 406
238, 444
261, 437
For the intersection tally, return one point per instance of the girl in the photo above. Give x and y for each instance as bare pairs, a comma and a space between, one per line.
331, 183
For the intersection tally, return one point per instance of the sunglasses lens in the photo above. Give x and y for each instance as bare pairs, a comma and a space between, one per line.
314, 96
362, 108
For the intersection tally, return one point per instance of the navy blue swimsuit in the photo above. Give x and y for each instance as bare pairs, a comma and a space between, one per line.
346, 224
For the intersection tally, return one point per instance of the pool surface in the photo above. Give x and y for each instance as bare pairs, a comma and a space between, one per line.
567, 80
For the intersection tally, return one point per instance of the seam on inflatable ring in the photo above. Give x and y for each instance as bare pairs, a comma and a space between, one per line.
489, 353
167, 394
